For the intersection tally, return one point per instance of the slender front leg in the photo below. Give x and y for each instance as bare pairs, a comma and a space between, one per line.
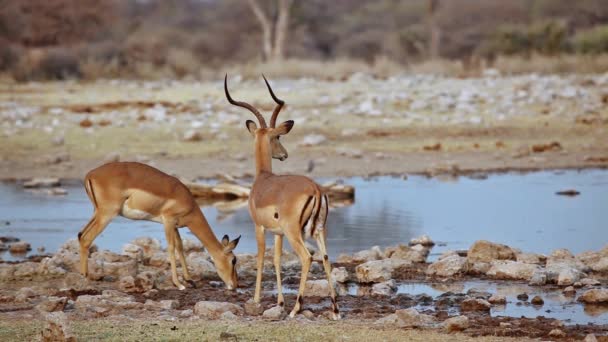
259, 236
305, 259
96, 225
321, 243
182, 258
278, 250
170, 231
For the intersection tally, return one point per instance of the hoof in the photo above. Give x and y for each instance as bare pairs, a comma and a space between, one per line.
181, 287
293, 314
192, 283
336, 316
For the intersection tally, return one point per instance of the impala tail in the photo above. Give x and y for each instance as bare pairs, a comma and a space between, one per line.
317, 207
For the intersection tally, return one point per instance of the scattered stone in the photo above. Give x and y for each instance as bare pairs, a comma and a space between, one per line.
252, 308
589, 282
51, 304
539, 278
199, 265
497, 299
523, 297
186, 313
537, 300
56, 328
531, 258
512, 270
458, 323
411, 318
569, 291
434, 147
379, 270
423, 240
228, 316
308, 314
486, 251
475, 304
569, 193
275, 313
569, 276
148, 244
140, 283
339, 274
24, 294
20, 247
161, 259
416, 253
557, 333
110, 301
386, 288
192, 136
312, 140
168, 304
594, 296
553, 146
374, 253
42, 183
133, 251
391, 319
448, 266
214, 310
316, 288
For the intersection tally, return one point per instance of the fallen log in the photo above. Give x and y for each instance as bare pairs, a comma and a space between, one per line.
233, 191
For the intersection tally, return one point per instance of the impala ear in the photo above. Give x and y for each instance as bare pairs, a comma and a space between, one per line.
232, 245
284, 128
225, 240
251, 126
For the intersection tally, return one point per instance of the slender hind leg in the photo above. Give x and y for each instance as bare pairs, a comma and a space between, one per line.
296, 242
182, 258
95, 226
321, 239
259, 236
278, 250
170, 232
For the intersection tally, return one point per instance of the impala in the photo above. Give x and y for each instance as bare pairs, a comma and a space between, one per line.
141, 192
286, 205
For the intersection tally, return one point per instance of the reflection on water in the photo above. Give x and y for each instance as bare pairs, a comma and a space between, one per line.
519, 210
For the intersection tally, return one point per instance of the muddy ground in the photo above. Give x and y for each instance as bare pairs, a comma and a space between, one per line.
21, 319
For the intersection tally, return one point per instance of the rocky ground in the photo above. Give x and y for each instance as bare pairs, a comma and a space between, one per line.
357, 126
130, 295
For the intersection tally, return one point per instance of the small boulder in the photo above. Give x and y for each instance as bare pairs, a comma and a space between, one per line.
148, 244
537, 300
458, 323
423, 240
316, 288
214, 310
497, 299
486, 251
339, 274
448, 266
569, 291
387, 288
56, 328
379, 270
20, 247
142, 282
52, 304
557, 333
523, 296
374, 253
511, 270
252, 308
475, 304
539, 278
275, 313
594, 296
200, 266
411, 318
133, 251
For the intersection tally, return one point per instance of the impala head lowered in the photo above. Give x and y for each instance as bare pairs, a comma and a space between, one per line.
226, 267
272, 133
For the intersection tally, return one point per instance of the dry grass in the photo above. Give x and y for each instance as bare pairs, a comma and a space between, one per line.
580, 64
202, 330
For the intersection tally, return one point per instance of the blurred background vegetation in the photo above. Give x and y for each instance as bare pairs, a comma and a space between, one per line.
201, 39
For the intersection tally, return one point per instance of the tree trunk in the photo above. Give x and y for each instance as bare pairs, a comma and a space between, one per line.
434, 30
281, 29
266, 29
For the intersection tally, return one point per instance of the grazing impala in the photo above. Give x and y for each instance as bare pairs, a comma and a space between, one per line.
141, 192
288, 205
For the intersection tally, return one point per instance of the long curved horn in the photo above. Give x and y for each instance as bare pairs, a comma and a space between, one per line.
244, 105
277, 109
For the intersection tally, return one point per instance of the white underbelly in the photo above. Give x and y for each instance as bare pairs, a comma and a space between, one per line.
274, 230
136, 214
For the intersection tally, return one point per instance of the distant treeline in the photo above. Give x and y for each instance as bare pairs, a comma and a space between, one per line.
55, 39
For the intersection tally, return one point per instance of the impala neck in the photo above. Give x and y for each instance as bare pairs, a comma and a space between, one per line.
199, 227
263, 159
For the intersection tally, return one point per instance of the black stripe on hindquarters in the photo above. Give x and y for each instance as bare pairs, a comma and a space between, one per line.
316, 218
303, 223
92, 193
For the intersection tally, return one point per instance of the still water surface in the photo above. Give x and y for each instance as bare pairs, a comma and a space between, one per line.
520, 210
